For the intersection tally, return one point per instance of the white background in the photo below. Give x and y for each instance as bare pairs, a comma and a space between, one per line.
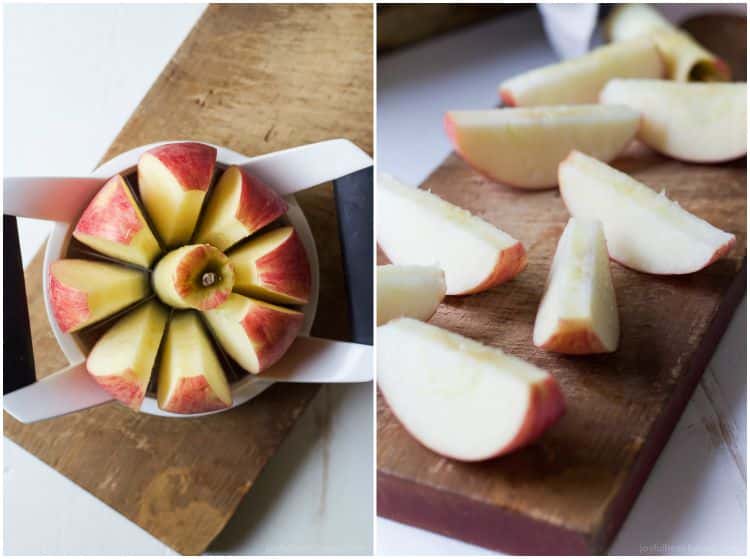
72, 77
694, 502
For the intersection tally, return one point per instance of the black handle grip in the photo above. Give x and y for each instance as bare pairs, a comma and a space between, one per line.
354, 205
18, 354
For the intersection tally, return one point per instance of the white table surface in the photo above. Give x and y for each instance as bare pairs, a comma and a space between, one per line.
694, 501
73, 75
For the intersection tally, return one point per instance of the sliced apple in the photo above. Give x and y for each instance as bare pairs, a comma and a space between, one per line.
460, 398
113, 224
194, 276
123, 358
173, 180
82, 292
417, 227
699, 122
523, 147
412, 291
685, 59
273, 267
645, 231
239, 206
578, 313
191, 378
254, 333
579, 80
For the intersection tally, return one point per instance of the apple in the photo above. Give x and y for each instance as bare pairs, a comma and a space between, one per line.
413, 291
113, 225
123, 358
698, 122
194, 276
459, 398
273, 267
254, 333
173, 180
419, 228
578, 313
685, 59
82, 292
645, 230
523, 147
579, 80
239, 206
191, 378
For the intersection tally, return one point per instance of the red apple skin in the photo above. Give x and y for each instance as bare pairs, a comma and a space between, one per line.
69, 305
573, 339
510, 263
271, 333
193, 395
184, 286
191, 163
258, 205
110, 215
507, 98
286, 269
124, 388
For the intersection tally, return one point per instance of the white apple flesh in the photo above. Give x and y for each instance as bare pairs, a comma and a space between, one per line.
523, 147
645, 230
578, 313
415, 227
412, 291
459, 398
123, 358
698, 122
579, 80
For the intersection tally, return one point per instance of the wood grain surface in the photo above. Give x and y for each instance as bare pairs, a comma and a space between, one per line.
255, 79
569, 492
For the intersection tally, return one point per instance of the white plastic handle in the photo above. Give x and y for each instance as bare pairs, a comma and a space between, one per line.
50, 198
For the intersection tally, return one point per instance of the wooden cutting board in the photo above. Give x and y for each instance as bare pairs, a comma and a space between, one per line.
255, 79
570, 492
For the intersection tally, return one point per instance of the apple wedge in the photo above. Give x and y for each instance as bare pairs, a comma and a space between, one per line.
113, 225
685, 59
459, 398
239, 206
579, 80
412, 291
697, 122
191, 378
419, 228
254, 333
645, 230
82, 292
123, 358
173, 180
523, 147
194, 276
273, 267
578, 313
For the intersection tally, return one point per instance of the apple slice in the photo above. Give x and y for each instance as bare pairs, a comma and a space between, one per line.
417, 227
578, 313
413, 291
194, 276
191, 378
173, 180
254, 333
273, 267
238, 207
113, 224
460, 398
645, 231
579, 80
523, 147
123, 358
82, 292
698, 122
